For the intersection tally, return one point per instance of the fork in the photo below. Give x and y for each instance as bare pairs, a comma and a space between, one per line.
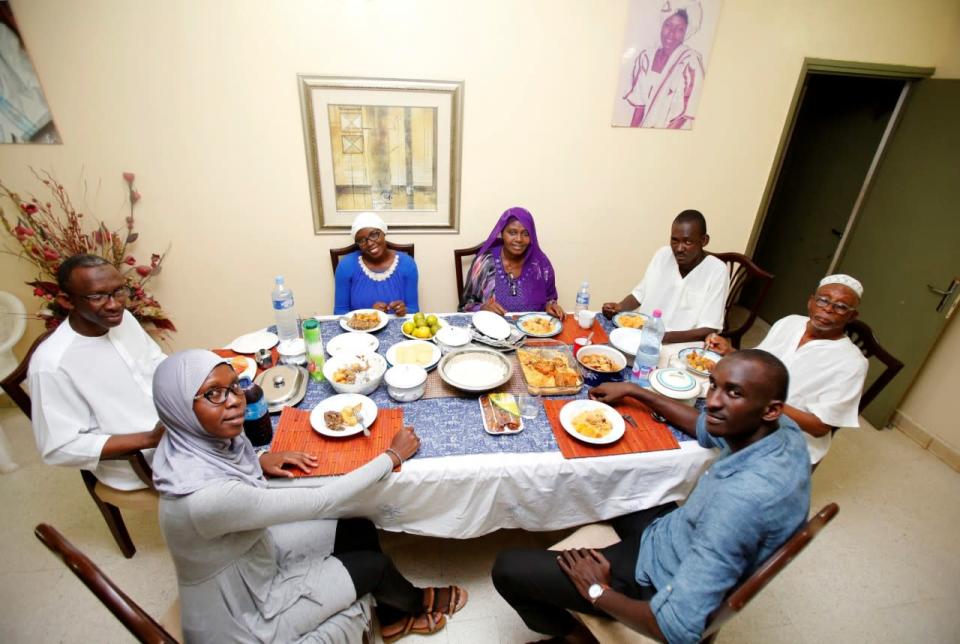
359, 415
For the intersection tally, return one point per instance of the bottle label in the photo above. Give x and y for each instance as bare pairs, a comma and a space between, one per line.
255, 410
280, 305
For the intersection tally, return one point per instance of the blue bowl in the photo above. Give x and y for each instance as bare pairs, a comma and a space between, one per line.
593, 377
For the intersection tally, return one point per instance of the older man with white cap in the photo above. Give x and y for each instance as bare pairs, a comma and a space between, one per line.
827, 370
375, 276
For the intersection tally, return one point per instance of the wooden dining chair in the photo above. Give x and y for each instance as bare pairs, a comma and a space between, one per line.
862, 335
610, 631
743, 271
108, 500
461, 257
337, 253
136, 620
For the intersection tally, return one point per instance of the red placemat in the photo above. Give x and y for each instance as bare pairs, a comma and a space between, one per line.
336, 455
572, 331
229, 353
649, 436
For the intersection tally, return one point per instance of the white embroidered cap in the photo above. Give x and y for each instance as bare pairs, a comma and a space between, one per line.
367, 220
851, 283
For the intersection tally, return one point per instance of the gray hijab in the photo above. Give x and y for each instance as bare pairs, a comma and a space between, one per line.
188, 458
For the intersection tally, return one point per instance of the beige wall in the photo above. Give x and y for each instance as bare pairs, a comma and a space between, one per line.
199, 98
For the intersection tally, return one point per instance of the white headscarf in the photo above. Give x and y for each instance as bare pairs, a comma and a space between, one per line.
367, 220
188, 458
851, 283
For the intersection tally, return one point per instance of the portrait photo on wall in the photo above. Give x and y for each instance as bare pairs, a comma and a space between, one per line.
664, 62
24, 114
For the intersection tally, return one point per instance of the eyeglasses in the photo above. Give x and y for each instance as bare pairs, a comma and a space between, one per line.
837, 307
120, 295
218, 395
372, 238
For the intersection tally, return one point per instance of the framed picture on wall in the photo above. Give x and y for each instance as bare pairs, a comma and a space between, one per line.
383, 145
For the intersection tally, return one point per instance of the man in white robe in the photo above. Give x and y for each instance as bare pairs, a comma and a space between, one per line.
687, 285
827, 370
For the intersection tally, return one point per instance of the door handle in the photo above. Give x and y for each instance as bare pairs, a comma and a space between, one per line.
945, 294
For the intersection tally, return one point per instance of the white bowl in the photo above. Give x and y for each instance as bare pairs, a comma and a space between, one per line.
451, 337
367, 382
676, 383
406, 382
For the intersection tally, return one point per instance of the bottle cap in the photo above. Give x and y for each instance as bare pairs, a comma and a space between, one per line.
244, 382
310, 324
278, 279
657, 313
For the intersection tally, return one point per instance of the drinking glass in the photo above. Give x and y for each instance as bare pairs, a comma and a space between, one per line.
529, 405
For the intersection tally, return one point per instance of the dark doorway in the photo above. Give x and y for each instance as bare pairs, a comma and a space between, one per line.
839, 125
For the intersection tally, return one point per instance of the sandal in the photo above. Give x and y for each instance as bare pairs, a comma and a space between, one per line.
456, 599
422, 624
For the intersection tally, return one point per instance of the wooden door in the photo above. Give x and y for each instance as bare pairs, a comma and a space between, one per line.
905, 240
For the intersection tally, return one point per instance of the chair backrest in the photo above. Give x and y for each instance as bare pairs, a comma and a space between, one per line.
742, 271
134, 618
337, 253
862, 335
13, 383
747, 590
459, 255
13, 321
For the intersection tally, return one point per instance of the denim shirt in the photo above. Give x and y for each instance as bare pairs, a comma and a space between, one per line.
745, 506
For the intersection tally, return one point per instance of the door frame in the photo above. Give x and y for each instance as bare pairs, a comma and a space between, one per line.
838, 68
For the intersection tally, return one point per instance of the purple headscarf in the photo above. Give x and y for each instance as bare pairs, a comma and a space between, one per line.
524, 217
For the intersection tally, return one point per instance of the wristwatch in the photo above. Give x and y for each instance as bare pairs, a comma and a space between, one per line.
595, 592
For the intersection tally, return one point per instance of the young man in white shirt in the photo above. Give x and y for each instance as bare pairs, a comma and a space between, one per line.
827, 370
684, 282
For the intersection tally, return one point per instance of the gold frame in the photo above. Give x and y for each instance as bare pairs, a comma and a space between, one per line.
449, 96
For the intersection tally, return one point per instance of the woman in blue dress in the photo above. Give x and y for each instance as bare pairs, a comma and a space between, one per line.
375, 277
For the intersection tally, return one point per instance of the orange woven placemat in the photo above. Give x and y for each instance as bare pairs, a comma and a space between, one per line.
649, 436
229, 353
572, 331
336, 455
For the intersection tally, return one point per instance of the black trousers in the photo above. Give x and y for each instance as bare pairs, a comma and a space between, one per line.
357, 546
532, 582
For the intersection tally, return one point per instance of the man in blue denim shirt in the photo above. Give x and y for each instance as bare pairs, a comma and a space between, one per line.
674, 566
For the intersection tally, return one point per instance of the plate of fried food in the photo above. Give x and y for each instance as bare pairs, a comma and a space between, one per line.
343, 415
368, 320
549, 368
630, 319
539, 325
699, 361
500, 414
246, 367
592, 422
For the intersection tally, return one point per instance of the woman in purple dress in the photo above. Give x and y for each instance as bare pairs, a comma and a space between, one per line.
510, 272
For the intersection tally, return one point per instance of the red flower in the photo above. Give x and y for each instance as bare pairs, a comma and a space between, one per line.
39, 292
29, 208
50, 255
129, 260
134, 196
129, 177
22, 232
143, 271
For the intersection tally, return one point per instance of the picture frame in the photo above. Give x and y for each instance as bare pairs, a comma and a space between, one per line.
389, 146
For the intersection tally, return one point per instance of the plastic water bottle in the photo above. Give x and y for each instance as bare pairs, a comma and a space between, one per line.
314, 342
648, 353
583, 298
256, 417
285, 314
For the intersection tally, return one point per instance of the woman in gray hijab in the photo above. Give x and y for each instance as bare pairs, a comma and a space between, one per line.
256, 564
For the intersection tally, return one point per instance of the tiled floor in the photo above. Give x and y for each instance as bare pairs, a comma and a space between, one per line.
886, 570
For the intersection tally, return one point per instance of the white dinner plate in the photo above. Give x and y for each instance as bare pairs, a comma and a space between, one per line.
435, 353
575, 407
440, 321
251, 369
346, 318
338, 402
556, 326
710, 355
626, 340
491, 324
353, 342
618, 318
253, 342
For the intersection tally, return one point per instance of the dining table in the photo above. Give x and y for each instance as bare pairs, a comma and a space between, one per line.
464, 482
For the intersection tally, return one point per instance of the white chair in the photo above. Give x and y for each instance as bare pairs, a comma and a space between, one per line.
13, 323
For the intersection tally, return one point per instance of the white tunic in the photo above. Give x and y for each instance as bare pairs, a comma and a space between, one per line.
697, 300
826, 377
84, 390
